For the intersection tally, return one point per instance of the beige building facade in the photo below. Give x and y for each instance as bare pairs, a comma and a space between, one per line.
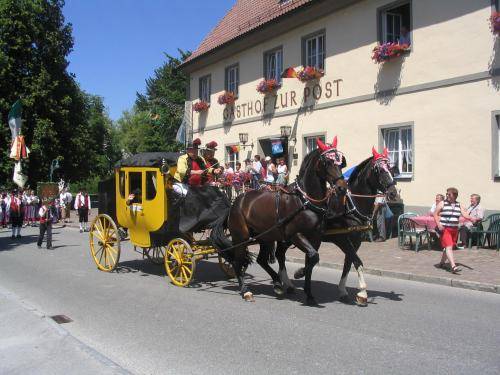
437, 108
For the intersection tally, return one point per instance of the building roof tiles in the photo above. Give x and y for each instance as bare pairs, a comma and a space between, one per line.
243, 17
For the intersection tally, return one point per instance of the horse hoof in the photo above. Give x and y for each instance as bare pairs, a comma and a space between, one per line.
291, 290
248, 297
311, 301
361, 301
278, 289
299, 274
345, 299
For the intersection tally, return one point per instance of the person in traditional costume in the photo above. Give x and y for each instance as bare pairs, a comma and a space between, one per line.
191, 169
16, 209
4, 213
82, 205
46, 214
212, 162
31, 207
65, 199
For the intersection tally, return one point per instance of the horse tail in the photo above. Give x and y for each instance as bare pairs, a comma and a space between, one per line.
218, 236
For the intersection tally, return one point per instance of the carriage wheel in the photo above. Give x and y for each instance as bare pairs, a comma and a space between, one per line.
104, 243
179, 262
226, 267
156, 254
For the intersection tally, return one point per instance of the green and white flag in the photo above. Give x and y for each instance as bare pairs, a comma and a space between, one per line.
15, 119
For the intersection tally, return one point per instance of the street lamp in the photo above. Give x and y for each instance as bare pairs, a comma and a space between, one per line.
285, 131
53, 166
244, 140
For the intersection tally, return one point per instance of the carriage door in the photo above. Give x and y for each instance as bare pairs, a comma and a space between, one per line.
136, 213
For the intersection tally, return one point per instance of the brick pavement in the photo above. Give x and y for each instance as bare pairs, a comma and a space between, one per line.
480, 268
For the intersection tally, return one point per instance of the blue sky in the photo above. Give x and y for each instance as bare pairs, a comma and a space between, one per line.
119, 43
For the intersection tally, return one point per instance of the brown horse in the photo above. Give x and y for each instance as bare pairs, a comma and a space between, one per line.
370, 177
295, 216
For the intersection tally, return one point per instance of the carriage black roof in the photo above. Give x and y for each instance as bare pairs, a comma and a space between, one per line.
149, 159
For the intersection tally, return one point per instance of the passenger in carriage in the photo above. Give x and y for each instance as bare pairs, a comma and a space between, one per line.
191, 169
212, 162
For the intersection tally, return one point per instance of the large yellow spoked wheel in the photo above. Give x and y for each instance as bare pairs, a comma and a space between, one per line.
104, 243
179, 262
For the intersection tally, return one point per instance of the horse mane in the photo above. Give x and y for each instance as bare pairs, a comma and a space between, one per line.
306, 163
359, 168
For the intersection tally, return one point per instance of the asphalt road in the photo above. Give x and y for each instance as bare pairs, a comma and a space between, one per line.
139, 320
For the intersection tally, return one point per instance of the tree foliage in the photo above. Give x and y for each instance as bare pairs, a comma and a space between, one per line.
60, 121
153, 122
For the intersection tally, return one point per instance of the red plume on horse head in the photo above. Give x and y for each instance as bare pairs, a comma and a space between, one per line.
383, 155
326, 147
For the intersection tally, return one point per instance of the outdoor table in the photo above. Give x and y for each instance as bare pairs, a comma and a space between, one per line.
429, 223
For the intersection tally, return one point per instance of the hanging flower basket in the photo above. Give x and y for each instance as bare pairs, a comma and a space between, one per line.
227, 98
387, 51
267, 86
495, 22
233, 149
201, 106
310, 73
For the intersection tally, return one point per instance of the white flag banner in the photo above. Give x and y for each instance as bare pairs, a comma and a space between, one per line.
19, 177
15, 119
185, 132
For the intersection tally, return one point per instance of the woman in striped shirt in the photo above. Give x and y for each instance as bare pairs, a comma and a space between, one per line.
447, 217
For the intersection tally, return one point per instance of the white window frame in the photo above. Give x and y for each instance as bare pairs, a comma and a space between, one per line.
232, 79
205, 88
232, 158
312, 54
401, 149
495, 145
384, 12
310, 142
273, 64
385, 31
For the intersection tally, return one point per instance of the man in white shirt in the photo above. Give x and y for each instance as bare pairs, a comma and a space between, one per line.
474, 210
256, 171
82, 205
65, 199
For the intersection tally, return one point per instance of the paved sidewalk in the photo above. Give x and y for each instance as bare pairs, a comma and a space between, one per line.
32, 343
480, 268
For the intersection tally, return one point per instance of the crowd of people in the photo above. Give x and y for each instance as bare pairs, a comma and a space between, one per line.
198, 167
19, 209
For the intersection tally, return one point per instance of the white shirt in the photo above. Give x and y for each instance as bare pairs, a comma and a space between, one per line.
256, 167
80, 198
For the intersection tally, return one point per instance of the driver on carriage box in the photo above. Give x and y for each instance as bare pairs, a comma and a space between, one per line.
211, 161
191, 169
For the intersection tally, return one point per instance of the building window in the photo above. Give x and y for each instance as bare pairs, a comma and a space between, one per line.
399, 142
395, 23
205, 88
273, 64
232, 157
310, 143
232, 80
496, 146
313, 50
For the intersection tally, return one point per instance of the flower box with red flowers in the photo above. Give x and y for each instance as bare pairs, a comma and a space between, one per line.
267, 86
201, 106
227, 98
310, 73
495, 22
387, 51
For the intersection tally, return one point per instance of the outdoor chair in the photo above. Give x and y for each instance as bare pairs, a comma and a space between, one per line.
403, 215
492, 234
410, 229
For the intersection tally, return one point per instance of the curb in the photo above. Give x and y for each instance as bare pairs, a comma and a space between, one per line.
463, 284
64, 332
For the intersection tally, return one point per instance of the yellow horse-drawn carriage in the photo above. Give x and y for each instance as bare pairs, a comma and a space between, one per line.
138, 199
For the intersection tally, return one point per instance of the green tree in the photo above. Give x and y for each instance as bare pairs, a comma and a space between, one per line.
60, 121
153, 122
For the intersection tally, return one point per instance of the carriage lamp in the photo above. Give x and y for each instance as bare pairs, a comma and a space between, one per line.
244, 140
286, 131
